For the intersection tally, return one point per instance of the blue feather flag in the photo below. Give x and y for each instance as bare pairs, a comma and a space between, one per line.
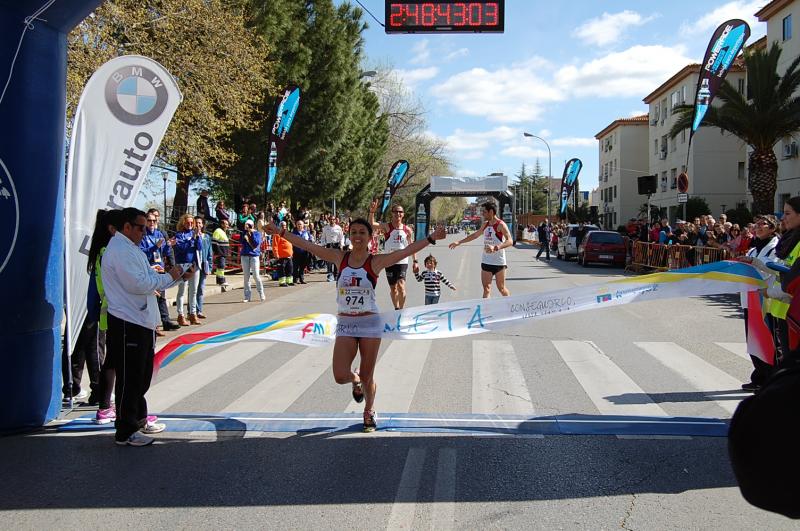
286, 106
396, 175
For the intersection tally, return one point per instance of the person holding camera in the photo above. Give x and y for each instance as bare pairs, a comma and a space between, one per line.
130, 284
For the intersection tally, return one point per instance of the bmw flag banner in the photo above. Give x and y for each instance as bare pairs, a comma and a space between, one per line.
396, 175
571, 171
726, 43
121, 118
286, 106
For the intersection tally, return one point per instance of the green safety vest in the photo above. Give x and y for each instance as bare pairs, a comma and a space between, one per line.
98, 278
778, 308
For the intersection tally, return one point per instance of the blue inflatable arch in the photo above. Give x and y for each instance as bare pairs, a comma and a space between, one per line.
32, 205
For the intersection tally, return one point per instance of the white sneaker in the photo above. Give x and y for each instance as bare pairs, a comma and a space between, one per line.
245, 300
80, 397
153, 427
137, 439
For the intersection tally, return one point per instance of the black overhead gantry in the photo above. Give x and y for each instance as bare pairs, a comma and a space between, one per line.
492, 186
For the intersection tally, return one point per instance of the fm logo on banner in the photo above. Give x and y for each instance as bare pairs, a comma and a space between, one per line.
286, 105
397, 173
121, 118
726, 43
571, 171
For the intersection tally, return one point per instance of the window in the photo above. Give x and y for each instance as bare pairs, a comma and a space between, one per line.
787, 28
655, 147
657, 114
615, 191
673, 182
664, 181
663, 110
741, 86
683, 94
615, 219
740, 171
615, 165
673, 144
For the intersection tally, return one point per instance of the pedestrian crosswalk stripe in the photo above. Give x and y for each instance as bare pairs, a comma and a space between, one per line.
286, 384
397, 375
405, 501
740, 349
169, 391
722, 388
498, 384
444, 492
600, 378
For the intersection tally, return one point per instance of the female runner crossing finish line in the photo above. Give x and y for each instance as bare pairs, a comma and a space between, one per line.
355, 297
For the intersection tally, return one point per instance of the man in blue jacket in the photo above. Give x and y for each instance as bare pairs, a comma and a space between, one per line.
154, 245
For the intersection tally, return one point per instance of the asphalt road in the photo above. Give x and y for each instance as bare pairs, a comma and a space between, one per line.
667, 359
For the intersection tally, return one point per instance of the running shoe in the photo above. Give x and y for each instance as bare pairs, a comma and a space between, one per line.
153, 427
358, 391
105, 416
137, 439
370, 421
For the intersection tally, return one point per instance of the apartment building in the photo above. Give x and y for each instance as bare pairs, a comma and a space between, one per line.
780, 16
623, 158
716, 163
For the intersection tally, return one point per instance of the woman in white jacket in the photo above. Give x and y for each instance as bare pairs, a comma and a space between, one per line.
761, 252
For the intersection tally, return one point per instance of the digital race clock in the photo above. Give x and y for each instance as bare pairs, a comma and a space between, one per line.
418, 16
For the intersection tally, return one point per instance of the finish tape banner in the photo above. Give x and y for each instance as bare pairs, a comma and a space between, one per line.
286, 106
571, 171
396, 175
462, 318
726, 43
121, 118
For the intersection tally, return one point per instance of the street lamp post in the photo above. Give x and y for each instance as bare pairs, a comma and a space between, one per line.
549, 168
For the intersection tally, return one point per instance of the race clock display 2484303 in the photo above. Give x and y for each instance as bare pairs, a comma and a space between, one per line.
418, 16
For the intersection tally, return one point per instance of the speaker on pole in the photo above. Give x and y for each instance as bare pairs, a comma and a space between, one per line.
648, 184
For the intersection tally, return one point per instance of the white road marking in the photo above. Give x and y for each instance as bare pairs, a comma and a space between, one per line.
285, 385
172, 390
695, 370
405, 501
602, 379
397, 375
498, 385
740, 349
443, 508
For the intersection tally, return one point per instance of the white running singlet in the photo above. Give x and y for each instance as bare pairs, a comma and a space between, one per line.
397, 239
491, 237
355, 289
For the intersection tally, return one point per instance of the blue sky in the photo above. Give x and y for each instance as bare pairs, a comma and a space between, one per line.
562, 70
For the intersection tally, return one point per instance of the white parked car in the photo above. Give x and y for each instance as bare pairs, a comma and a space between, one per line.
568, 245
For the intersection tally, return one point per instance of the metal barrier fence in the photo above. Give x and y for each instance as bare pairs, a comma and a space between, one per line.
662, 257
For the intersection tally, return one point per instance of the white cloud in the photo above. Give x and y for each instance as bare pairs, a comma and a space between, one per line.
544, 133
742, 9
461, 140
638, 112
461, 52
573, 141
509, 94
413, 77
421, 52
609, 28
524, 152
630, 73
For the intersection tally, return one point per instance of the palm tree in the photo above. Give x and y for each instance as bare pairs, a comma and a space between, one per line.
772, 113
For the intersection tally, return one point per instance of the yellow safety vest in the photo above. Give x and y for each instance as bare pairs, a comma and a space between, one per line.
777, 308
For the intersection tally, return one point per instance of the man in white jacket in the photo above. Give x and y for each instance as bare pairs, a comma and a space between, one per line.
130, 286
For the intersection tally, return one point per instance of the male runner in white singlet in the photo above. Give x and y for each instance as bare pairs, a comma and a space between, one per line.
496, 238
398, 236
